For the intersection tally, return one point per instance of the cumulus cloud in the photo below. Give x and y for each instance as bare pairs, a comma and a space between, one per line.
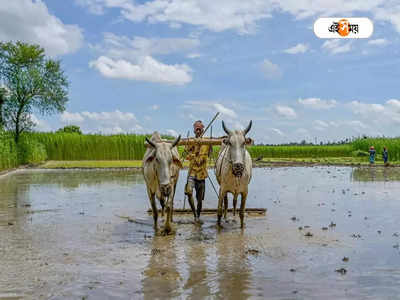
113, 122
30, 21
126, 58
317, 103
172, 132
299, 48
378, 42
285, 111
146, 69
336, 46
155, 107
241, 16
212, 107
270, 70
277, 131
40, 125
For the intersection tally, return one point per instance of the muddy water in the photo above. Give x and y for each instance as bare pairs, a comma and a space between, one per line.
61, 239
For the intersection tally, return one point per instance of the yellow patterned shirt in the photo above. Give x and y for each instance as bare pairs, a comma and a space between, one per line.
198, 155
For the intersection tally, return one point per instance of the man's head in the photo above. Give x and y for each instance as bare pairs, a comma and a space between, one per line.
198, 128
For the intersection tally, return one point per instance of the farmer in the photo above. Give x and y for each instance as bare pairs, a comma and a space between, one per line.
385, 155
198, 154
372, 153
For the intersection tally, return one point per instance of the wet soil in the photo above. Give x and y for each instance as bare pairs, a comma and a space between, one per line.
329, 233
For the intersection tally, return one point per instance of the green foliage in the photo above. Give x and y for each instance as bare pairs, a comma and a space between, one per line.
65, 146
30, 151
8, 151
34, 82
70, 129
300, 151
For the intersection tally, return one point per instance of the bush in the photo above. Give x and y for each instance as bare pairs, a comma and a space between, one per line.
30, 151
8, 151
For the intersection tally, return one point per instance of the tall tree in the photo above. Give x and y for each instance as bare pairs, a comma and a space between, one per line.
35, 82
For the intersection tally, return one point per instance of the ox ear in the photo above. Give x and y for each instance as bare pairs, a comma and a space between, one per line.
249, 141
225, 141
150, 156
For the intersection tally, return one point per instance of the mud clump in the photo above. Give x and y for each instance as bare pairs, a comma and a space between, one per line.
345, 259
309, 234
252, 252
342, 271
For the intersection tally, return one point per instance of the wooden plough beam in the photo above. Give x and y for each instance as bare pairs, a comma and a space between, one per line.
211, 211
203, 141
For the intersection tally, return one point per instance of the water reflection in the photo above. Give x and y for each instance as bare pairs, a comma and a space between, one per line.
376, 174
234, 274
161, 277
196, 259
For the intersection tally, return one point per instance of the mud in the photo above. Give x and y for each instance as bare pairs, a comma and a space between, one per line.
61, 238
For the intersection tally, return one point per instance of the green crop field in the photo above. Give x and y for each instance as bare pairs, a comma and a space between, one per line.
35, 148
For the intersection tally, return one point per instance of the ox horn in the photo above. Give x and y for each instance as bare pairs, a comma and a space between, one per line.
150, 143
248, 128
225, 129
176, 141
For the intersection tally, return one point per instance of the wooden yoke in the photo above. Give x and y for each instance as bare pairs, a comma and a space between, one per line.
203, 141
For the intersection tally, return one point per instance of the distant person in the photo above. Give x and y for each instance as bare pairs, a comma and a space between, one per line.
385, 155
372, 153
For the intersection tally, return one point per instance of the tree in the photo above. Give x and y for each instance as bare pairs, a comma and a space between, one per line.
34, 81
70, 129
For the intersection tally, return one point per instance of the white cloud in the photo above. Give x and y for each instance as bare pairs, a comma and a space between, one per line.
28, 21
336, 46
299, 48
317, 103
270, 70
285, 111
277, 131
320, 125
146, 69
40, 125
155, 107
126, 58
113, 122
70, 118
172, 132
194, 55
360, 108
378, 42
196, 106
124, 47
238, 15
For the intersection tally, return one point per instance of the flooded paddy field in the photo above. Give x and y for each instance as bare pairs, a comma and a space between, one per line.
329, 233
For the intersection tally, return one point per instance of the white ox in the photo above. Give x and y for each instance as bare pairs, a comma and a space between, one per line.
161, 167
233, 171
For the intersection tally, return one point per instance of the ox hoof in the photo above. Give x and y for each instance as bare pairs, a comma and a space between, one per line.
168, 230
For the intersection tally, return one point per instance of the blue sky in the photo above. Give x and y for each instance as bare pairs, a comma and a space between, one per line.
140, 66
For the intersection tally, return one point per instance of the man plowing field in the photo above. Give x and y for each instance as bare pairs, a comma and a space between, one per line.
198, 154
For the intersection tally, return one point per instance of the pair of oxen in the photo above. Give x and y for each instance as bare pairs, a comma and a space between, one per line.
161, 165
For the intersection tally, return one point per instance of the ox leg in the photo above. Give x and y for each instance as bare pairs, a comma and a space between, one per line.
225, 205
242, 208
153, 207
172, 203
220, 198
168, 208
234, 203
162, 203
